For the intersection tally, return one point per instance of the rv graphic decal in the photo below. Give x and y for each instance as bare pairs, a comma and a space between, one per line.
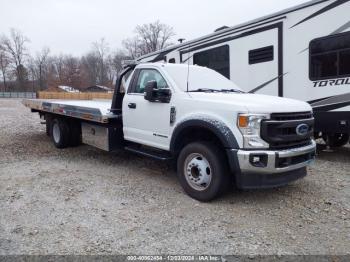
342, 28
332, 82
331, 103
339, 30
265, 84
323, 10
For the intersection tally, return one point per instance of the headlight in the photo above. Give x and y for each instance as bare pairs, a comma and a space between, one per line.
249, 125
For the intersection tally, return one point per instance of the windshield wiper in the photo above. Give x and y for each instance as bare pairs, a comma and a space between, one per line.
232, 90
204, 90
216, 90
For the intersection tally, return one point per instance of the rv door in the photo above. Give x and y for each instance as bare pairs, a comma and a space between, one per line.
255, 63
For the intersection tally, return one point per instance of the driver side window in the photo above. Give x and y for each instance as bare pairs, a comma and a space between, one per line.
147, 75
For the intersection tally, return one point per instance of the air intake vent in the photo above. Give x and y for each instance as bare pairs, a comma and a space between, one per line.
291, 116
261, 55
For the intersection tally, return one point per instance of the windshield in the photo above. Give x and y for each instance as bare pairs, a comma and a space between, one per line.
200, 79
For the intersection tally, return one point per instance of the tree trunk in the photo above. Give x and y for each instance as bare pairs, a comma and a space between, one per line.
4, 81
40, 79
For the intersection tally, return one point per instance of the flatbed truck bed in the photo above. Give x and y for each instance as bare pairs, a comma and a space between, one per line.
90, 110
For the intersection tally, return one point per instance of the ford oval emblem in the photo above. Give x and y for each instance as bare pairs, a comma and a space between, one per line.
302, 129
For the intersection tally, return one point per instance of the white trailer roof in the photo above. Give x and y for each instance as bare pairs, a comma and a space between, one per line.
255, 21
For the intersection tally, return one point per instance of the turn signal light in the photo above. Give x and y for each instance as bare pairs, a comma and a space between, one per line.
243, 121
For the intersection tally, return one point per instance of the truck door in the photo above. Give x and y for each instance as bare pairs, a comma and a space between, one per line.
146, 122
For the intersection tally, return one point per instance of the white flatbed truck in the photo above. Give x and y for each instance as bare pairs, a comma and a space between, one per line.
218, 135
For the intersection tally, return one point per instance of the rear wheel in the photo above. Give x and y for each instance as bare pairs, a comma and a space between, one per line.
48, 121
60, 133
74, 133
203, 171
336, 140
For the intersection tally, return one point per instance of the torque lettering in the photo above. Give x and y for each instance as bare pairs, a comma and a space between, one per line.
332, 82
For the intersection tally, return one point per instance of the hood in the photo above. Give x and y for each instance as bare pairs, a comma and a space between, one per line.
255, 103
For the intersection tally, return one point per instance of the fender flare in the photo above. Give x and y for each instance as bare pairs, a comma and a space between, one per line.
218, 128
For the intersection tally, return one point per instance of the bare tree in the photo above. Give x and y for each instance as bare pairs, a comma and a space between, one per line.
65, 70
15, 47
154, 36
72, 72
58, 64
41, 64
132, 46
4, 65
91, 67
101, 49
97, 67
111, 72
117, 58
32, 72
149, 38
52, 78
114, 65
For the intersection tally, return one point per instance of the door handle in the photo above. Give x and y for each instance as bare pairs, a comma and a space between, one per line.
132, 105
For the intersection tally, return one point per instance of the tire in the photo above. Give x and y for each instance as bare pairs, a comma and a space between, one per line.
60, 133
75, 133
48, 120
336, 140
202, 169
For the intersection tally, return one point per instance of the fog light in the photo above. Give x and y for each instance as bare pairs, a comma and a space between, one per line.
258, 160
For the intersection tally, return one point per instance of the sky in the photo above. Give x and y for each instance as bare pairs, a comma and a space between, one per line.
71, 26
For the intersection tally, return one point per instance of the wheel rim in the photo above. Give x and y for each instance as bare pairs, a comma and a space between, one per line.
197, 171
336, 139
56, 133
341, 137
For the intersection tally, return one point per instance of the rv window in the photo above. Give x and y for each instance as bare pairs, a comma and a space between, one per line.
172, 61
261, 55
344, 62
330, 57
324, 66
217, 59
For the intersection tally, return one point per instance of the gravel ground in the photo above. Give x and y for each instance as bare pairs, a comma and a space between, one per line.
85, 201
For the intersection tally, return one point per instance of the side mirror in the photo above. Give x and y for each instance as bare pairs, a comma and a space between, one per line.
150, 88
164, 95
153, 94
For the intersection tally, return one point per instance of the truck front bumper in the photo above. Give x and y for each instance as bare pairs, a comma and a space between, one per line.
266, 169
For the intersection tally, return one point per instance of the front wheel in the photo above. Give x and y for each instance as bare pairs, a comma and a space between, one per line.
336, 140
203, 171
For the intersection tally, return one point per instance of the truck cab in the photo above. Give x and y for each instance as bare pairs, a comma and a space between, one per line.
217, 135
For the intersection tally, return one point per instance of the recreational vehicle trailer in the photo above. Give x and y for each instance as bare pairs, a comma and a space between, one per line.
301, 53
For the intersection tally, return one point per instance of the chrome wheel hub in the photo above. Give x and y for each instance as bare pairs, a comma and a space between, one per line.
197, 171
56, 133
